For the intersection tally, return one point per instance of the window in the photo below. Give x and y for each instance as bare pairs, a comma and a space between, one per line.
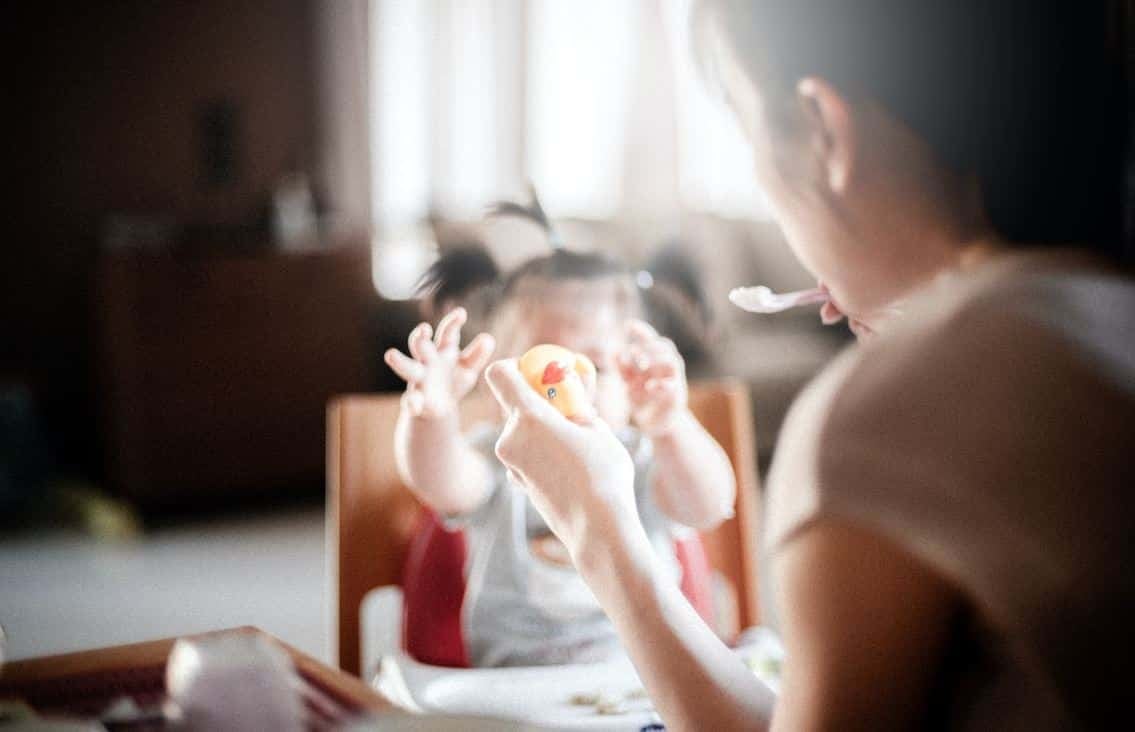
592, 100
715, 169
400, 103
580, 60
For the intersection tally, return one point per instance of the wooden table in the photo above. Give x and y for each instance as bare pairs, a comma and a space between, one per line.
85, 682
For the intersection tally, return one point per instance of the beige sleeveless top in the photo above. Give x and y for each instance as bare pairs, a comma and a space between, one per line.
992, 435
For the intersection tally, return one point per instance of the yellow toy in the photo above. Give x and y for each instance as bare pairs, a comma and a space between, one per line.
565, 378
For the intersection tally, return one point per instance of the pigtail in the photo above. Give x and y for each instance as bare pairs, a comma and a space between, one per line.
458, 273
533, 212
676, 304
671, 267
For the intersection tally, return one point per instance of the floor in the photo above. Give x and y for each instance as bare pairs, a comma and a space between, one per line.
62, 592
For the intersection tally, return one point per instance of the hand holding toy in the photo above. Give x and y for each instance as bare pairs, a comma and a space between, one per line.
565, 378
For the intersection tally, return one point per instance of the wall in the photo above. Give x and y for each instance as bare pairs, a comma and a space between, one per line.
106, 120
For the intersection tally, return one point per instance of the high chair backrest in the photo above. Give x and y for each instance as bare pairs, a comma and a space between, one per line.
371, 516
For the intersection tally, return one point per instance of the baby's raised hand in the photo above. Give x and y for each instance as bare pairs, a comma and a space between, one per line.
656, 379
438, 373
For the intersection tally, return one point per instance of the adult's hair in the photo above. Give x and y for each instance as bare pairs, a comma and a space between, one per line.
1026, 95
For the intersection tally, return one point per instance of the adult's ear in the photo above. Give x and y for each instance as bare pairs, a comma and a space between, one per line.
831, 128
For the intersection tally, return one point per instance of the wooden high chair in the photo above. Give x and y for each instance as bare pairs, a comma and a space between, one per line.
371, 515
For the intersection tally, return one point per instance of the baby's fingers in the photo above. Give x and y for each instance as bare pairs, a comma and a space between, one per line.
410, 370
421, 347
663, 348
657, 360
660, 370
477, 353
627, 369
449, 329
641, 332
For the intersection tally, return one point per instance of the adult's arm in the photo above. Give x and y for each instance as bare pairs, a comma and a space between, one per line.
863, 621
695, 680
581, 479
864, 624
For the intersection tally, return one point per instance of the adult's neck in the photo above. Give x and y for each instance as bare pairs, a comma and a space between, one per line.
920, 218
937, 258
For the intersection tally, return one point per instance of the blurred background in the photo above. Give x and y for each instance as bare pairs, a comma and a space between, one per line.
220, 210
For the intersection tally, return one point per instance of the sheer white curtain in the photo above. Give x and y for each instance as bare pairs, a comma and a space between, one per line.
596, 102
402, 134
715, 169
581, 59
445, 94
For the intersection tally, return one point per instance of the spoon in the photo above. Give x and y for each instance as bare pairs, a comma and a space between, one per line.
761, 299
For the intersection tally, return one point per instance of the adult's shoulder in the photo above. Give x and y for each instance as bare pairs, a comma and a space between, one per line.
1005, 337
1015, 376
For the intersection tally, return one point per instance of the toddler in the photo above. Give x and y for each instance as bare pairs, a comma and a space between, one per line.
524, 603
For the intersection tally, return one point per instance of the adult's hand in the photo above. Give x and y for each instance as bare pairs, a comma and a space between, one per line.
578, 474
581, 479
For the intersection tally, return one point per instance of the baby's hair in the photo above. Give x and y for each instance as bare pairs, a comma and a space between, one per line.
533, 212
561, 264
677, 306
670, 266
463, 271
672, 296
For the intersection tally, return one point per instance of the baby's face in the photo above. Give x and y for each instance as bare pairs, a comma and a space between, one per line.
593, 326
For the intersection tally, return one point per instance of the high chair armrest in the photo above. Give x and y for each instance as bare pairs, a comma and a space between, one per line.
380, 616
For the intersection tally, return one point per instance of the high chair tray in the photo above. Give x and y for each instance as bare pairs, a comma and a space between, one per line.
551, 697
540, 697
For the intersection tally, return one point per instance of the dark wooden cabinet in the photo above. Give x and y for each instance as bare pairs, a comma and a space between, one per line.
215, 370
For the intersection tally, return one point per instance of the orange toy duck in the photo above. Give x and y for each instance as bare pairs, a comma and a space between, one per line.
563, 377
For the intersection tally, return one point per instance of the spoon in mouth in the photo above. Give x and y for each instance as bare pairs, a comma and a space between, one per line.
761, 299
